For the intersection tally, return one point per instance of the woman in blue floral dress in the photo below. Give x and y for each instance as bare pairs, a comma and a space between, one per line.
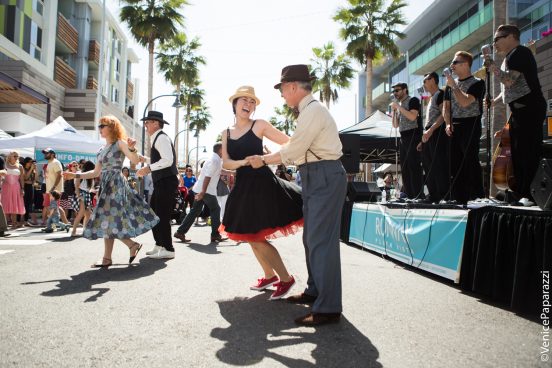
120, 212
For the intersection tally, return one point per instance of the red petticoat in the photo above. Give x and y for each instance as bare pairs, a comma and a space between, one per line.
265, 234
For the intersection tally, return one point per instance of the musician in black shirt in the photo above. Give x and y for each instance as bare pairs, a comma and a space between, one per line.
521, 90
434, 142
406, 117
462, 109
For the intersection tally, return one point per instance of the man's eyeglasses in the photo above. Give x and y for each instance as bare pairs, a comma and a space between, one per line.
498, 38
454, 62
397, 90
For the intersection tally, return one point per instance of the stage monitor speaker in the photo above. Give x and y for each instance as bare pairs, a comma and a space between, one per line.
541, 186
351, 152
358, 191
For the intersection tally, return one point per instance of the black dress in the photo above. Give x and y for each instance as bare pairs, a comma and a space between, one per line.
260, 206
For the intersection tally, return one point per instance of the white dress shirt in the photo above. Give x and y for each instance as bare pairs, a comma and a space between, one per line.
211, 168
164, 146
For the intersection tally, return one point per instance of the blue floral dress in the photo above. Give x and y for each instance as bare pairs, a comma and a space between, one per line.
120, 212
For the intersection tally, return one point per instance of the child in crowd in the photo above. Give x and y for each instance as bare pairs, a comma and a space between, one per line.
53, 214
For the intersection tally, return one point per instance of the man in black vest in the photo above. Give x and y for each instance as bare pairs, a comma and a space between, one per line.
162, 166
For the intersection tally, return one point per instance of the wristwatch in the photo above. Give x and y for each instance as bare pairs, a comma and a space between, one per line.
263, 160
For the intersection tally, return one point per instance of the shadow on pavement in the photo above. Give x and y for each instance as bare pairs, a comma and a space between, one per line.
85, 282
262, 329
204, 248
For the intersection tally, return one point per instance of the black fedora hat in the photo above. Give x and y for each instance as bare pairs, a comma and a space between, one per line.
295, 73
155, 115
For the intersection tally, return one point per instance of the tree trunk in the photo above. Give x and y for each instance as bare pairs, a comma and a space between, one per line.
188, 109
498, 113
176, 127
151, 49
368, 87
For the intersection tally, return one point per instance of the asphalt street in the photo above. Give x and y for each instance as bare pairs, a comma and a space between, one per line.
197, 311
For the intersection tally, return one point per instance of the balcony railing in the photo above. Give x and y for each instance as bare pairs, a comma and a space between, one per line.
67, 34
91, 83
64, 74
130, 90
94, 52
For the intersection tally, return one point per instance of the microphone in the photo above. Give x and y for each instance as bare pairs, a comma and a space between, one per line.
392, 97
487, 51
447, 72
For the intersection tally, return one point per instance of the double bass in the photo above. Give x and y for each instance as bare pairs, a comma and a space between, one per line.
503, 168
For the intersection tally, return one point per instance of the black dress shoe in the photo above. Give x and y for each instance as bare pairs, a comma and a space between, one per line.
182, 237
217, 239
318, 319
301, 299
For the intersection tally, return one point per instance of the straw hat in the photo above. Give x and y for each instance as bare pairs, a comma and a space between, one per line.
245, 91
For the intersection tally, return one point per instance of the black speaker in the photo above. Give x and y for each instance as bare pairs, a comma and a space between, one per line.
541, 186
359, 191
351, 152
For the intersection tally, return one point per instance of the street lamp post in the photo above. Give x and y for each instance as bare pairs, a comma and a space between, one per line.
197, 154
176, 104
175, 137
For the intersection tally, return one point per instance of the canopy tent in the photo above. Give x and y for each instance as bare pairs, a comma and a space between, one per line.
59, 135
378, 139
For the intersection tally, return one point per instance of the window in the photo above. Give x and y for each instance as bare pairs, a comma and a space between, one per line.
38, 6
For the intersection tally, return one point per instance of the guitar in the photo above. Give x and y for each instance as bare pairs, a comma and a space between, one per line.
503, 168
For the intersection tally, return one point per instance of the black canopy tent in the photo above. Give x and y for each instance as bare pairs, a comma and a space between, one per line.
377, 140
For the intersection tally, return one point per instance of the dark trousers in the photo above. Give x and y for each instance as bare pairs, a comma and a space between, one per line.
162, 203
526, 140
467, 179
211, 202
435, 164
411, 164
28, 199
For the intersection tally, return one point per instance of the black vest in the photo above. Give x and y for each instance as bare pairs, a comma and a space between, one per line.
156, 156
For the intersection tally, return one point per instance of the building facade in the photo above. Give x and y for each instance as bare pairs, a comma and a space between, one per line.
447, 26
53, 47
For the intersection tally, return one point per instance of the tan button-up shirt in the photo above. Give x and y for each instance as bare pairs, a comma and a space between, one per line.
316, 131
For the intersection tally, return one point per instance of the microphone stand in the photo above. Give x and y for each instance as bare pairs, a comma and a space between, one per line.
488, 127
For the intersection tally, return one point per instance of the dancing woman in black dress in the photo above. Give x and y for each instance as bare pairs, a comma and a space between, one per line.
260, 206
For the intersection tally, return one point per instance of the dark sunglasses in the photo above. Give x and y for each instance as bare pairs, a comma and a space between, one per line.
454, 62
101, 126
397, 90
499, 37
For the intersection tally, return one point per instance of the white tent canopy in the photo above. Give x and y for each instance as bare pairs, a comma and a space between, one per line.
59, 135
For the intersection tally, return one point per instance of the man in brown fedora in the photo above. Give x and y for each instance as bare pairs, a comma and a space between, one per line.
162, 166
315, 148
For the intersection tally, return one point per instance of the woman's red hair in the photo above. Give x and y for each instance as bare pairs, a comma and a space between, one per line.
116, 129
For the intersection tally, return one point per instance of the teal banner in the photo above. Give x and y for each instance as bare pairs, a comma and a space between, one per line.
430, 239
66, 156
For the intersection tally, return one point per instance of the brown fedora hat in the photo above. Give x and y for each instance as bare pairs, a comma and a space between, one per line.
155, 115
295, 73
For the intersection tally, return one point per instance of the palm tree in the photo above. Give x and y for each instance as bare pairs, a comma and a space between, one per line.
180, 63
331, 71
150, 21
192, 98
370, 29
199, 120
284, 119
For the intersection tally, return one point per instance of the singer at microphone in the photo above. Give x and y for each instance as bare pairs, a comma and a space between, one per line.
521, 90
462, 110
486, 51
406, 117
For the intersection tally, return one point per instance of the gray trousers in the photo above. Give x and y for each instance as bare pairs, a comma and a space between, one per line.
324, 185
